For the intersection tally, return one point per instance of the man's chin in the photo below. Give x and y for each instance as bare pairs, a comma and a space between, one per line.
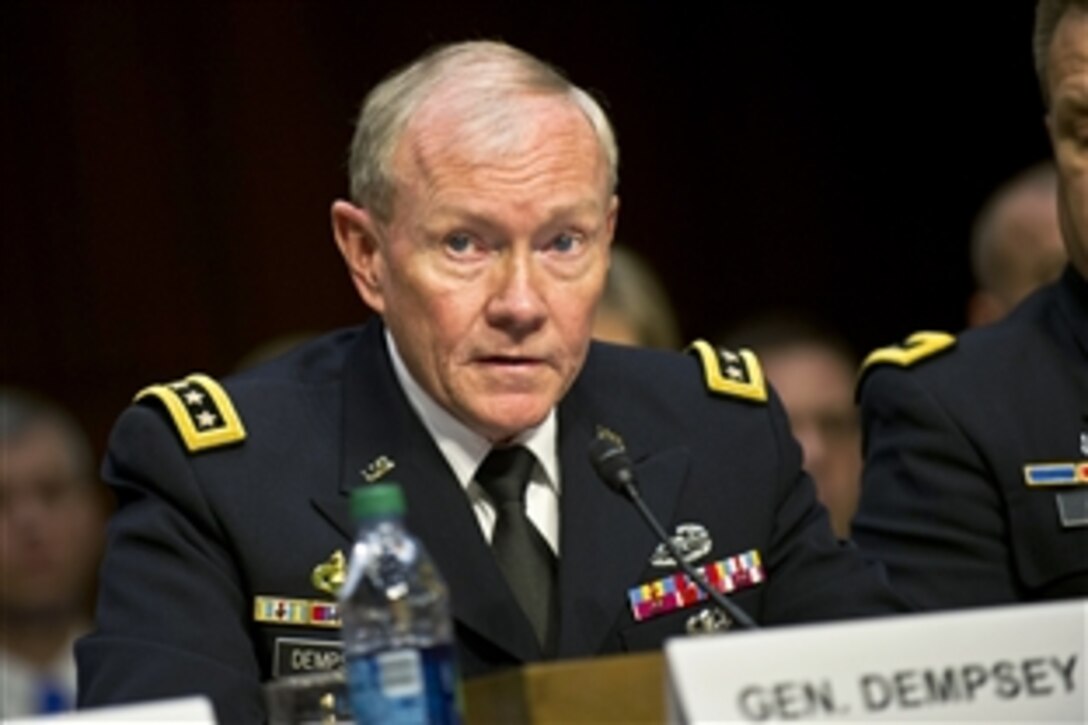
504, 421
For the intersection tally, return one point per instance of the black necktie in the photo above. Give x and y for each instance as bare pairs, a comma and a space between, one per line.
523, 554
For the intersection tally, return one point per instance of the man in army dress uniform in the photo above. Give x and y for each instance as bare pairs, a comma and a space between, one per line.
974, 490
483, 207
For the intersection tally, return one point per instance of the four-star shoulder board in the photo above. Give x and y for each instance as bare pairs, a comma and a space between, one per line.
731, 373
919, 346
201, 411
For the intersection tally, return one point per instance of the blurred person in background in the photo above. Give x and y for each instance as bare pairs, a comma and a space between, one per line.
635, 308
1016, 244
813, 368
52, 515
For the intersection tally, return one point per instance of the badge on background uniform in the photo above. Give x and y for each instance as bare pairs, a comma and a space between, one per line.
1072, 505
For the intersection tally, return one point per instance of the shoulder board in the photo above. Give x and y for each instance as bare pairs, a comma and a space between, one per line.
919, 346
731, 373
202, 411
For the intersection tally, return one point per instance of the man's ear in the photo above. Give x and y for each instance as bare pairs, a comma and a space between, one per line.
356, 235
612, 216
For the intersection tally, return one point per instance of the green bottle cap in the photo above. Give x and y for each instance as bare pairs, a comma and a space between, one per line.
377, 499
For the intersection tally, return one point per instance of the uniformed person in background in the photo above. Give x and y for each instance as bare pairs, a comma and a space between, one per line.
481, 215
976, 448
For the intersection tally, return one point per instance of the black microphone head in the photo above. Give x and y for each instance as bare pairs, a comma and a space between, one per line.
611, 462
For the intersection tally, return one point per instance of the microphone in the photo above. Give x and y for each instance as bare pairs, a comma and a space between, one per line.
613, 466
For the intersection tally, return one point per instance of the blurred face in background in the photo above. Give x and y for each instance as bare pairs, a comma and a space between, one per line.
51, 520
817, 389
1067, 81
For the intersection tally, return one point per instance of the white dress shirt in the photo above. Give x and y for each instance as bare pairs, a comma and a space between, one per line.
465, 450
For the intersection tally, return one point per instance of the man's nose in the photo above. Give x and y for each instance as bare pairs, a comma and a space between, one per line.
517, 299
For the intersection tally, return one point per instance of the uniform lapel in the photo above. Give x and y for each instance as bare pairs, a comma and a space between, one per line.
604, 543
379, 421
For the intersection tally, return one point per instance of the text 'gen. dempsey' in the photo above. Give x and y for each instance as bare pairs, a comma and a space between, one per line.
908, 690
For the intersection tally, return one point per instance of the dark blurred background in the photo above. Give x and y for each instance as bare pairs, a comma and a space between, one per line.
169, 166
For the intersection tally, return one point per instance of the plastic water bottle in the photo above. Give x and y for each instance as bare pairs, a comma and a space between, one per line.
394, 606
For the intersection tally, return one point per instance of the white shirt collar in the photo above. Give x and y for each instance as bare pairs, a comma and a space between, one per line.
463, 448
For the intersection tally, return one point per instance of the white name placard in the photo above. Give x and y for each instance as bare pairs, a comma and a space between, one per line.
1022, 663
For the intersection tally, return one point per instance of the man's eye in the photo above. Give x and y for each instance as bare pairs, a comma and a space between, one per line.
459, 243
565, 242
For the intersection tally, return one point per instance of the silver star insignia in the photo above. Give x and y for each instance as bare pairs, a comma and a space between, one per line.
194, 397
734, 372
205, 419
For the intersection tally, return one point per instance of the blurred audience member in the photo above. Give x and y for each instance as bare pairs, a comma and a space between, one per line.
1016, 244
813, 370
52, 515
635, 308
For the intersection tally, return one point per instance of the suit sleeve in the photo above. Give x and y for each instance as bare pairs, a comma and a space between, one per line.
812, 575
930, 510
172, 615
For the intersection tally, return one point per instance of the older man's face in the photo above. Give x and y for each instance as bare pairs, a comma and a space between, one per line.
490, 270
1067, 80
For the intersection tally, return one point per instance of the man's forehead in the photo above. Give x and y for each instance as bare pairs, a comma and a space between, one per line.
493, 130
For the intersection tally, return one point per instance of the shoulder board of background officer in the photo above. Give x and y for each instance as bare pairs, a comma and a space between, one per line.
201, 410
919, 346
728, 372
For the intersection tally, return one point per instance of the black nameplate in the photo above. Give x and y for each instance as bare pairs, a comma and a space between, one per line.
297, 656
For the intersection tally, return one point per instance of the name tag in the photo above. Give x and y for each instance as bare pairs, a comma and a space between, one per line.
296, 656
1073, 509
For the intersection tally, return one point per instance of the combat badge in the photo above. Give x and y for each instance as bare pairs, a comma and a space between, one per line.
917, 347
328, 576
731, 373
201, 411
691, 540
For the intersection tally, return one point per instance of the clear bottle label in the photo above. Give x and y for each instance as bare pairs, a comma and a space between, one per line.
405, 687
